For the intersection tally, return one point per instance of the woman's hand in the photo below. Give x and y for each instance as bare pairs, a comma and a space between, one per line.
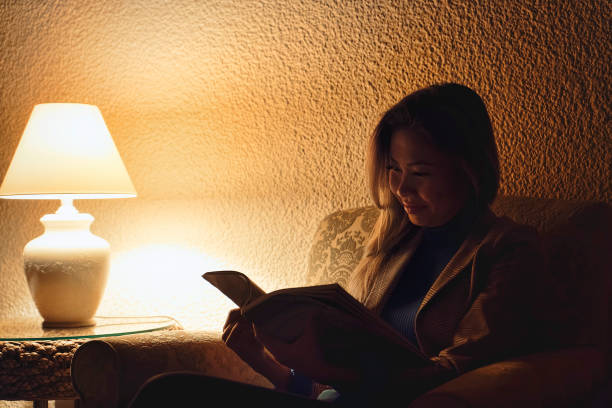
239, 335
304, 355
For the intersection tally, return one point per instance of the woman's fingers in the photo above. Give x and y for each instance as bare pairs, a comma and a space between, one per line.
240, 336
233, 316
229, 324
228, 331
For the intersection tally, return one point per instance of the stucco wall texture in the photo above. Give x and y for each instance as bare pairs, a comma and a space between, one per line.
243, 123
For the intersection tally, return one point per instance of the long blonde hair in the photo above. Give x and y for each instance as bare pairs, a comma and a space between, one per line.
455, 120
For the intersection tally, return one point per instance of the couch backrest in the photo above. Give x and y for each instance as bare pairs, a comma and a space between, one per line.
576, 234
339, 244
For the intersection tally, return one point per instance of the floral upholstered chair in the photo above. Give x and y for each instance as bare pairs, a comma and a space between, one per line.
575, 373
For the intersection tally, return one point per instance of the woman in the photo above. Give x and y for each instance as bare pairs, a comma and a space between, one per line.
443, 270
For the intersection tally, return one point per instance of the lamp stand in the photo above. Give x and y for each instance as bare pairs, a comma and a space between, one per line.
67, 268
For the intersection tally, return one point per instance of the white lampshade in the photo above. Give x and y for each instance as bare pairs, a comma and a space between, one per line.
66, 150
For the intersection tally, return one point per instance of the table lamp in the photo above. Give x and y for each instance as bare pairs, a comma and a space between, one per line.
66, 152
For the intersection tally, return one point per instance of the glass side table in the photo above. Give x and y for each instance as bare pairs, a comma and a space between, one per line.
35, 361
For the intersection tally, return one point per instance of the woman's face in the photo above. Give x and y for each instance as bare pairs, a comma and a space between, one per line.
428, 183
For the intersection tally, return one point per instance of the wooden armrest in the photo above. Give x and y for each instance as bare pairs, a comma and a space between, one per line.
560, 378
108, 372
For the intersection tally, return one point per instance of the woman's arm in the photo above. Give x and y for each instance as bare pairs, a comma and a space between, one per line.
239, 335
305, 356
502, 319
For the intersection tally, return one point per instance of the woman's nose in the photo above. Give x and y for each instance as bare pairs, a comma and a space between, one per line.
405, 187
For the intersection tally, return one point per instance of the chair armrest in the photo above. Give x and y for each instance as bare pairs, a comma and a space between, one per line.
560, 378
108, 372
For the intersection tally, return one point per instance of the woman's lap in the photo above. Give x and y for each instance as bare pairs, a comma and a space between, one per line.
187, 389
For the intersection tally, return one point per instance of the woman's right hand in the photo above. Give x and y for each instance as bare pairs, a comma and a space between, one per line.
239, 335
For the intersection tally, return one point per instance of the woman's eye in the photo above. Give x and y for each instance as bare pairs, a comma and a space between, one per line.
420, 174
392, 168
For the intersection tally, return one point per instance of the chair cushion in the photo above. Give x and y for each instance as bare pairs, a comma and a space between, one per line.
553, 379
578, 240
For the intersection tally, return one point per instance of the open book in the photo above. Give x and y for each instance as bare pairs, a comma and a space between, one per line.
350, 334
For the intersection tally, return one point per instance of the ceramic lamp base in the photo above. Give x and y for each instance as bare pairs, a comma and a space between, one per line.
67, 269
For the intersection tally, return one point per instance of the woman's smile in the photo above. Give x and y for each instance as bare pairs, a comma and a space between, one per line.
413, 208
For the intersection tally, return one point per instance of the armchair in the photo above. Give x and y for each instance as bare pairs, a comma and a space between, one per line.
575, 372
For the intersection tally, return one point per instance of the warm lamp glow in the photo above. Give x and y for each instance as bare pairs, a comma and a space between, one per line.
66, 149
166, 279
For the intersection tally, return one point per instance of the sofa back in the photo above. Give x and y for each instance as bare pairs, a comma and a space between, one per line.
577, 236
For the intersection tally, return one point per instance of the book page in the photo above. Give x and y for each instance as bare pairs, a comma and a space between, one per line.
235, 285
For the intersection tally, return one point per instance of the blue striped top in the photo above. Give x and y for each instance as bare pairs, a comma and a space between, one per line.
436, 249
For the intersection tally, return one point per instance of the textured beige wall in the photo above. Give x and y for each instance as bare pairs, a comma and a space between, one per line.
242, 123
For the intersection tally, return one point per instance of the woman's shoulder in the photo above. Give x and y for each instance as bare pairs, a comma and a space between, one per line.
502, 230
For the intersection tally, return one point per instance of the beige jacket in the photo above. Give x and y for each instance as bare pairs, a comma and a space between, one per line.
483, 306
